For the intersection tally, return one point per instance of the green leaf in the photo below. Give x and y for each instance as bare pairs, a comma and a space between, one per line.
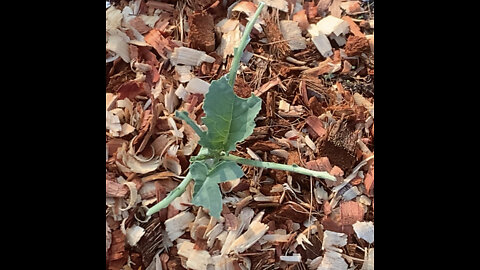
229, 118
202, 134
199, 172
206, 191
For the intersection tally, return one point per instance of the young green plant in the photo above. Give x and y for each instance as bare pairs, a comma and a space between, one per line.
229, 119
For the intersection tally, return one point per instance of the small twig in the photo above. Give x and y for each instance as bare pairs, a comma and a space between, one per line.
275, 42
263, 57
299, 68
295, 61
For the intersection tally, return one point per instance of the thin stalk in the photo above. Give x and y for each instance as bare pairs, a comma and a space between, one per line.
171, 196
238, 52
276, 166
184, 116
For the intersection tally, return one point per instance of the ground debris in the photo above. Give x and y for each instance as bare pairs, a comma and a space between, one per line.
312, 64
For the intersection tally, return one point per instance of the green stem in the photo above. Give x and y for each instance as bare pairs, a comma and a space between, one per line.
184, 116
238, 52
272, 165
173, 194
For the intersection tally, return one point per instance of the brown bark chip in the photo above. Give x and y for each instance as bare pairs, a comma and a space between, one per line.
202, 32
149, 149
356, 45
350, 212
317, 125
278, 47
241, 88
340, 145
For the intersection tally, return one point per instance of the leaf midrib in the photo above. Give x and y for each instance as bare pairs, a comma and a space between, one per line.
229, 122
